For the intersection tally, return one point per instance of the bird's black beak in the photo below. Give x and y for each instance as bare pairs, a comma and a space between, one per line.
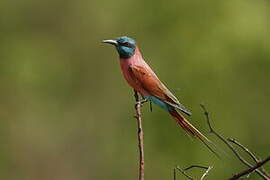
113, 42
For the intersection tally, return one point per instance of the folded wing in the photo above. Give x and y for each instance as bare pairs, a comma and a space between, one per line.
148, 80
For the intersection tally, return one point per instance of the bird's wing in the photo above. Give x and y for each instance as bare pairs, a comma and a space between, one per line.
149, 81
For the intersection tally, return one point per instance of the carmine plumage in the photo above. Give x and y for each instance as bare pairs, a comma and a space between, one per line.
142, 79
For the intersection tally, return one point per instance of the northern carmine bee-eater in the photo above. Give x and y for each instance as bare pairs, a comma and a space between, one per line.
142, 79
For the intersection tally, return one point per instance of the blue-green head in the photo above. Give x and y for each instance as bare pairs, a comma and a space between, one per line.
125, 46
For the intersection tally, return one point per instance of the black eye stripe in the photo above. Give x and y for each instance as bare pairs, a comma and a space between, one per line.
126, 44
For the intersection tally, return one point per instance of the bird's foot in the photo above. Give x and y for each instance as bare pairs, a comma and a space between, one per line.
150, 105
141, 102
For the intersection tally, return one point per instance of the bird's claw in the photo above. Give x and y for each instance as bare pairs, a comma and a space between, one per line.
141, 102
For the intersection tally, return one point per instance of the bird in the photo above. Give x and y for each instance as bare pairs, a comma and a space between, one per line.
144, 80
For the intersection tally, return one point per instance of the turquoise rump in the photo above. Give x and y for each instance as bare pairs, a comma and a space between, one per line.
159, 102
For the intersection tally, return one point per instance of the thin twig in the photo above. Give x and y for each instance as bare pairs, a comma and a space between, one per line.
258, 171
174, 173
195, 166
183, 171
244, 149
250, 170
251, 154
138, 116
206, 172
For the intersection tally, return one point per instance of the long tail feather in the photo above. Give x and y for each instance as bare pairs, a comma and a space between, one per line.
190, 129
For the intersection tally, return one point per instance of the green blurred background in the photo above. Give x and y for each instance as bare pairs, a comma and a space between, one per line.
66, 112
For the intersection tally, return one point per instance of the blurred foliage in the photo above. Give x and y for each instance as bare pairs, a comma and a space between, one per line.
66, 112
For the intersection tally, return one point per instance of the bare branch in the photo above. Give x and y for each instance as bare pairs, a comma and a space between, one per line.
138, 116
174, 173
263, 174
206, 172
183, 171
250, 170
252, 155
244, 149
195, 166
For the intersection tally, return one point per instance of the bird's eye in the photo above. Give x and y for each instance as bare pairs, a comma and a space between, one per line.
126, 44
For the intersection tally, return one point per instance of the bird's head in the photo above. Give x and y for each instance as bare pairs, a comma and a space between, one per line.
125, 46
